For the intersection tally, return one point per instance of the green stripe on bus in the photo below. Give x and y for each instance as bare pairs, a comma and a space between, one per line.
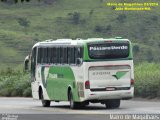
58, 81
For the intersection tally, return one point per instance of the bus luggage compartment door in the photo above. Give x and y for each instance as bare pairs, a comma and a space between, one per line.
109, 78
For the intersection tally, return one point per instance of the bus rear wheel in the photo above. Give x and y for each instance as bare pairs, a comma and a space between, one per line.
111, 104
73, 105
45, 103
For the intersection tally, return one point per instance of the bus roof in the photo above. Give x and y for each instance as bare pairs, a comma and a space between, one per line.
77, 41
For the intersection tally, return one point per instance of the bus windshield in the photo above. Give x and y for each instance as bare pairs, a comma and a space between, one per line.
108, 50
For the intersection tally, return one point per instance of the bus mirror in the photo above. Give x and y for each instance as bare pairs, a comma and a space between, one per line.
78, 61
26, 63
26, 66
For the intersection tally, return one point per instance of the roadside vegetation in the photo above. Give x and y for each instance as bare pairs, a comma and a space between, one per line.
147, 82
14, 83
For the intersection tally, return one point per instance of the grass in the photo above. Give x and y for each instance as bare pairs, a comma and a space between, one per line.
147, 80
53, 21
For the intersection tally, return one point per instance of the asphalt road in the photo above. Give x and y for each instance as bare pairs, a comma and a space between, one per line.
32, 109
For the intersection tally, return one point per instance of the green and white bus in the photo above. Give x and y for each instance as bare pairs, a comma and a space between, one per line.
94, 70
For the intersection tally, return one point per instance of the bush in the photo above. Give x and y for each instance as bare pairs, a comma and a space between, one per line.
9, 2
103, 29
27, 92
23, 22
98, 28
6, 92
149, 56
91, 12
121, 18
14, 83
75, 17
136, 49
147, 80
154, 18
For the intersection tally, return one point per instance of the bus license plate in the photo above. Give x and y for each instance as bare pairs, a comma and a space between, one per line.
110, 89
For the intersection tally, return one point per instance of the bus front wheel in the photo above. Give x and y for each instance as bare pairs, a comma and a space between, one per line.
45, 103
111, 104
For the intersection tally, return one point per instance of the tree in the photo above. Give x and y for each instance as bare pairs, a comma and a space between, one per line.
149, 56
121, 18
103, 29
48, 1
16, 1
23, 22
136, 49
75, 17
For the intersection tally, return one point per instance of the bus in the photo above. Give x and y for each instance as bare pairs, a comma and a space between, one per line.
82, 71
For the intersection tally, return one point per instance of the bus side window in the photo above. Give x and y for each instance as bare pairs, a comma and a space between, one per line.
33, 63
39, 55
65, 59
42, 58
73, 55
49, 55
44, 52
54, 57
61, 55
58, 55
46, 55
78, 55
69, 53
81, 52
51, 52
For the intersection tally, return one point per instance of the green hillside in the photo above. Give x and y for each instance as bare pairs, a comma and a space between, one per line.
23, 24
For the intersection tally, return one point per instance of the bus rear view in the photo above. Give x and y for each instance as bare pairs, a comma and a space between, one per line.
108, 71
82, 71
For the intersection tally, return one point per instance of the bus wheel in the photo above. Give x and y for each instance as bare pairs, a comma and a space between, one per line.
73, 105
45, 103
111, 104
